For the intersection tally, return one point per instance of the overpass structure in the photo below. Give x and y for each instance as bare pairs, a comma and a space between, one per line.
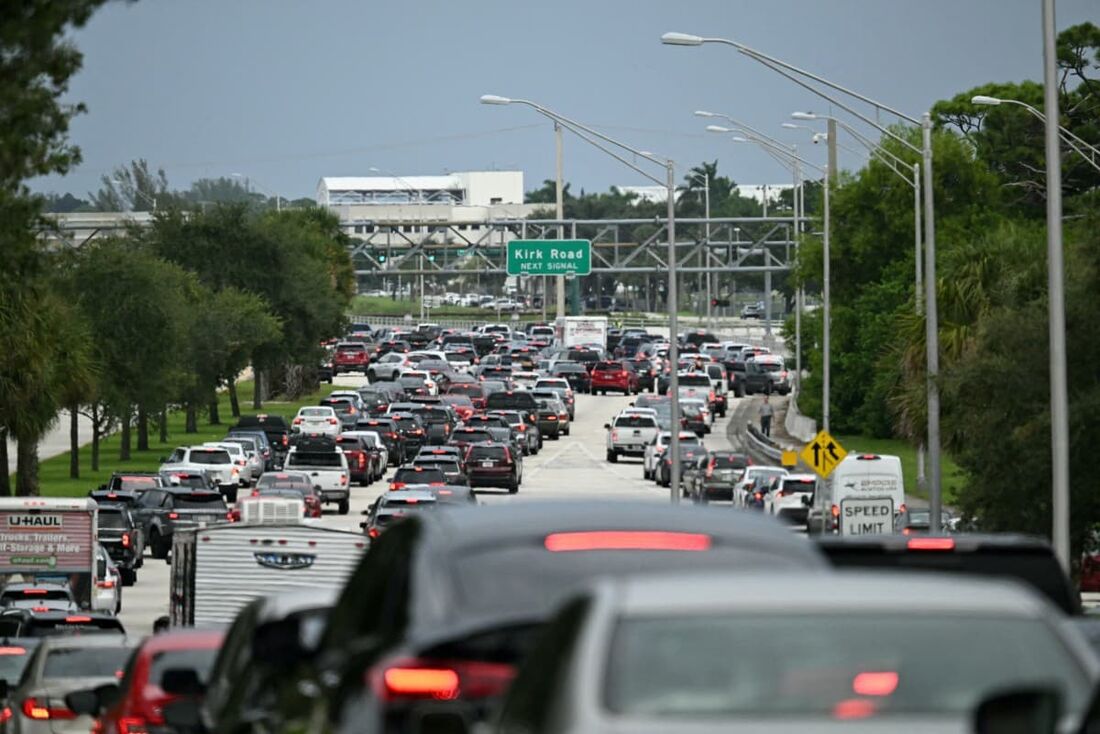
726, 245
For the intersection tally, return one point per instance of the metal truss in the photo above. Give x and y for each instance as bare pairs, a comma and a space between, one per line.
734, 245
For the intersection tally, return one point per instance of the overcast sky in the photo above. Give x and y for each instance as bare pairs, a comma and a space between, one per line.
286, 92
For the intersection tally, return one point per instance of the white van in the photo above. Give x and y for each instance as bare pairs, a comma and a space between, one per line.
862, 497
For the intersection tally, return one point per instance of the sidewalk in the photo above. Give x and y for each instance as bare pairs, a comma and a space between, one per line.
56, 441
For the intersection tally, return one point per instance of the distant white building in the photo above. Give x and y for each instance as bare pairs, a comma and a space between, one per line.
659, 194
466, 198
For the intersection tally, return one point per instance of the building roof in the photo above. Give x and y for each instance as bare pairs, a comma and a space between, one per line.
391, 183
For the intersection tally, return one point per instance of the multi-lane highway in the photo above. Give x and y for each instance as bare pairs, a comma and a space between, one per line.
573, 467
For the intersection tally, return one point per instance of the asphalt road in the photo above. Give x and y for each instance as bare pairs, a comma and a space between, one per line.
573, 467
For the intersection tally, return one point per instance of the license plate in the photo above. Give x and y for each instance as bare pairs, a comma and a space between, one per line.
488, 463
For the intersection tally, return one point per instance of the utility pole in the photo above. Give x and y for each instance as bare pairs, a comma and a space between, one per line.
830, 178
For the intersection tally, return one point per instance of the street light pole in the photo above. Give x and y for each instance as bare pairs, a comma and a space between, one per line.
560, 199
1059, 391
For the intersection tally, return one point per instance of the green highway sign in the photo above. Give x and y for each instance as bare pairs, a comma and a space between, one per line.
549, 257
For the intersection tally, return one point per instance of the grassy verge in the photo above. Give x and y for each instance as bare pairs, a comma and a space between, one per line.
953, 476
54, 472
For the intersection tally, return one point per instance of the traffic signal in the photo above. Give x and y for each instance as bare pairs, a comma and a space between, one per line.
720, 302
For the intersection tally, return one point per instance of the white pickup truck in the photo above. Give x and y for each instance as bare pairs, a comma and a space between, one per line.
629, 435
327, 468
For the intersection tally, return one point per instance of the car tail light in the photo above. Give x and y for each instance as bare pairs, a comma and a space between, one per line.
931, 544
507, 455
332, 421
614, 435
106, 584
126, 540
396, 485
373, 532
362, 461
710, 468
35, 592
39, 711
297, 421
173, 516
440, 680
5, 714
758, 496
627, 540
286, 440
552, 418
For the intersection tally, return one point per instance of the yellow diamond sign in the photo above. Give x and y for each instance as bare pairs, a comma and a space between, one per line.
823, 453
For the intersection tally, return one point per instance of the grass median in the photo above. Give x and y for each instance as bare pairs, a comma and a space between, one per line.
953, 478
53, 473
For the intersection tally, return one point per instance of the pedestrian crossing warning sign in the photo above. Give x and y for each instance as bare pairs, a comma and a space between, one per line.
823, 453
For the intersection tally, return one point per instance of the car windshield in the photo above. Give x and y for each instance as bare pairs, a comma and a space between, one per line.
419, 475
770, 366
328, 459
112, 519
200, 660
209, 502
315, 412
137, 483
85, 662
13, 659
730, 461
635, 421
794, 665
207, 456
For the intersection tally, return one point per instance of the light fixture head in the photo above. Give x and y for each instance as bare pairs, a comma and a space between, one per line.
704, 113
791, 126
494, 99
985, 99
739, 139
718, 129
803, 116
681, 39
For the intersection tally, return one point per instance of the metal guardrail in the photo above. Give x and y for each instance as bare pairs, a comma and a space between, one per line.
762, 443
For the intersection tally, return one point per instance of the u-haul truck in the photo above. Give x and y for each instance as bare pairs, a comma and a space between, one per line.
49, 539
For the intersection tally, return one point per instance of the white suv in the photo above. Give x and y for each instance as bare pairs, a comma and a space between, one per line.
212, 461
320, 419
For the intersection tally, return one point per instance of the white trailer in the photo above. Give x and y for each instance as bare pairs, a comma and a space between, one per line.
217, 570
579, 331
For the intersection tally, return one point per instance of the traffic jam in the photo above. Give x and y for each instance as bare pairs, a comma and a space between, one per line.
471, 532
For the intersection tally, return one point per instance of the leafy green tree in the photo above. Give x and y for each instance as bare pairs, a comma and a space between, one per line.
132, 187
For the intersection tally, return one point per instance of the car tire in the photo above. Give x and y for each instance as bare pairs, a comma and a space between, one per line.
513, 487
156, 544
613, 457
342, 507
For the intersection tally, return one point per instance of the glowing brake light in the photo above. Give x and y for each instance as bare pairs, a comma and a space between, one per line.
297, 421
173, 516
32, 709
106, 584
626, 540
875, 683
931, 544
77, 619
35, 592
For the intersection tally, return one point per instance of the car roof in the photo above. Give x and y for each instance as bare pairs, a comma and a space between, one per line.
799, 593
485, 526
183, 639
71, 642
404, 495
281, 605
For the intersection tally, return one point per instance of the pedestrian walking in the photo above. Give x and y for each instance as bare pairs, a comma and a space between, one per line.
766, 413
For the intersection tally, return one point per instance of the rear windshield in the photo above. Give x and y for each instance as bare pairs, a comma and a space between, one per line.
459, 356
635, 421
208, 501
210, 457
477, 436
10, 595
730, 461
13, 659
113, 519
465, 389
268, 480
85, 662
352, 347
198, 660
510, 400
609, 367
798, 485
486, 452
419, 475
1040, 571
135, 483
695, 380
314, 458
407, 424
579, 356
770, 366
528, 578
710, 665
563, 369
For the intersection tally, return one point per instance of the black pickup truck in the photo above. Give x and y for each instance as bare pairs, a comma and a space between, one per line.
160, 512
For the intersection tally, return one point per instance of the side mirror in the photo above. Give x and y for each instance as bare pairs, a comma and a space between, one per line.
1019, 712
607, 426
161, 624
807, 500
182, 682
5, 689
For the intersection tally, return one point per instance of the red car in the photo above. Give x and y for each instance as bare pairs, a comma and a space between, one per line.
141, 703
615, 376
350, 357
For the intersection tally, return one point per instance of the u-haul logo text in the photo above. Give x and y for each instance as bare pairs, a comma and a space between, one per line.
35, 521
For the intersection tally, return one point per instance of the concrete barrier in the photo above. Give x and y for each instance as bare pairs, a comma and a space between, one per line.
798, 426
